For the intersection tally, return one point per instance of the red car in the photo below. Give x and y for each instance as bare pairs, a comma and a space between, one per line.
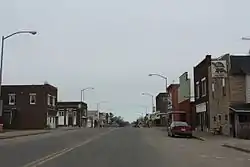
178, 128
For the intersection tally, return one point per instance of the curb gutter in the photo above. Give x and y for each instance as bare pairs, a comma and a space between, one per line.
236, 148
22, 135
199, 138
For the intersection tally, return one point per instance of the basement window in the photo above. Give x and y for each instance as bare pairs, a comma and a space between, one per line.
12, 99
32, 98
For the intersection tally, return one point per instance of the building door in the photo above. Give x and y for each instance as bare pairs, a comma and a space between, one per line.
202, 121
70, 121
232, 124
56, 121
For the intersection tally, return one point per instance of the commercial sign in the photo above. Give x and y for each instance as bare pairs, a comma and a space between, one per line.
219, 68
168, 100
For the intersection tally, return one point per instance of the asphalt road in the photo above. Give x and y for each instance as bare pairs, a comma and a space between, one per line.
123, 147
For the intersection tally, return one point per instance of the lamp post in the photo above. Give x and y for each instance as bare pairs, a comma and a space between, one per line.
246, 39
82, 100
152, 99
2, 56
161, 76
166, 85
98, 107
83, 90
146, 108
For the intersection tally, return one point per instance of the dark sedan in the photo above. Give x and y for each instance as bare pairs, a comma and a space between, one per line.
179, 128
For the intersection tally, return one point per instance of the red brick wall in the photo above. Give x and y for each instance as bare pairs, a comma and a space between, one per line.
188, 107
173, 90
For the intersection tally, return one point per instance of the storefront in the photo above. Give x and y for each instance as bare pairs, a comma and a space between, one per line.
202, 118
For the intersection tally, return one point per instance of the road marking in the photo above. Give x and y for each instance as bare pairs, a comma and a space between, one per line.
63, 151
240, 159
203, 156
219, 157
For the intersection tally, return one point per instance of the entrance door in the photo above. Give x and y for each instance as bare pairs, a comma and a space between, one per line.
232, 123
70, 121
202, 120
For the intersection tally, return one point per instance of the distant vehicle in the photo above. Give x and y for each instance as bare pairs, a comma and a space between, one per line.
115, 125
178, 128
137, 125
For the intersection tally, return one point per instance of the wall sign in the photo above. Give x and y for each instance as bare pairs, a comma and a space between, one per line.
219, 68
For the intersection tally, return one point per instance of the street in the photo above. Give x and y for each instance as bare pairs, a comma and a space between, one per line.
113, 147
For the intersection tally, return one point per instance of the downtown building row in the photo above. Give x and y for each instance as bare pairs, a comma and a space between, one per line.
37, 107
221, 95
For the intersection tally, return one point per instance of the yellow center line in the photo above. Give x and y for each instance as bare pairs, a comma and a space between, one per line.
63, 151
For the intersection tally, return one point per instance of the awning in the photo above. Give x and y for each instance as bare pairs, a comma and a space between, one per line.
240, 108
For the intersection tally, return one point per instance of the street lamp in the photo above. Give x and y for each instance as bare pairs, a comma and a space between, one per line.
146, 108
98, 107
152, 98
245, 38
82, 92
161, 76
1, 63
82, 100
166, 85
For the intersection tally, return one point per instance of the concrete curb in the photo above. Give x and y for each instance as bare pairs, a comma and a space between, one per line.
199, 138
236, 148
22, 135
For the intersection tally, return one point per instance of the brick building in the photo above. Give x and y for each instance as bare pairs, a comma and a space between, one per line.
161, 106
29, 106
184, 99
230, 96
202, 88
173, 97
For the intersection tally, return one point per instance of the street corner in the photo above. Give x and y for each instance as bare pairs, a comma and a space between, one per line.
236, 147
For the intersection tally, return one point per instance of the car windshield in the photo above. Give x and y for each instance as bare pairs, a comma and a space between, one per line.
180, 124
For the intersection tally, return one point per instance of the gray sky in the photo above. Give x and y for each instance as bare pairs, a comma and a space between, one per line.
112, 45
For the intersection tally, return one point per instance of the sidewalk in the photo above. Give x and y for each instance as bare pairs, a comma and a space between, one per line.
20, 133
224, 141
68, 128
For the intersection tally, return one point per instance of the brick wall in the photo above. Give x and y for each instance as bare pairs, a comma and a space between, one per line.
186, 106
237, 88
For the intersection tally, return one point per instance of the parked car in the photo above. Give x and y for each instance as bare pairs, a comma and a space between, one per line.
178, 128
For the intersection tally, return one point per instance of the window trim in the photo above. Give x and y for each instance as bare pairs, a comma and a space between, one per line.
223, 83
203, 92
48, 100
12, 94
34, 95
61, 113
53, 101
197, 88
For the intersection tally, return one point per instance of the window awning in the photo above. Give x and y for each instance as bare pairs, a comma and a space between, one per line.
240, 108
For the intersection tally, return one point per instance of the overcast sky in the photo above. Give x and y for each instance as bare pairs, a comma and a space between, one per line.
112, 45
